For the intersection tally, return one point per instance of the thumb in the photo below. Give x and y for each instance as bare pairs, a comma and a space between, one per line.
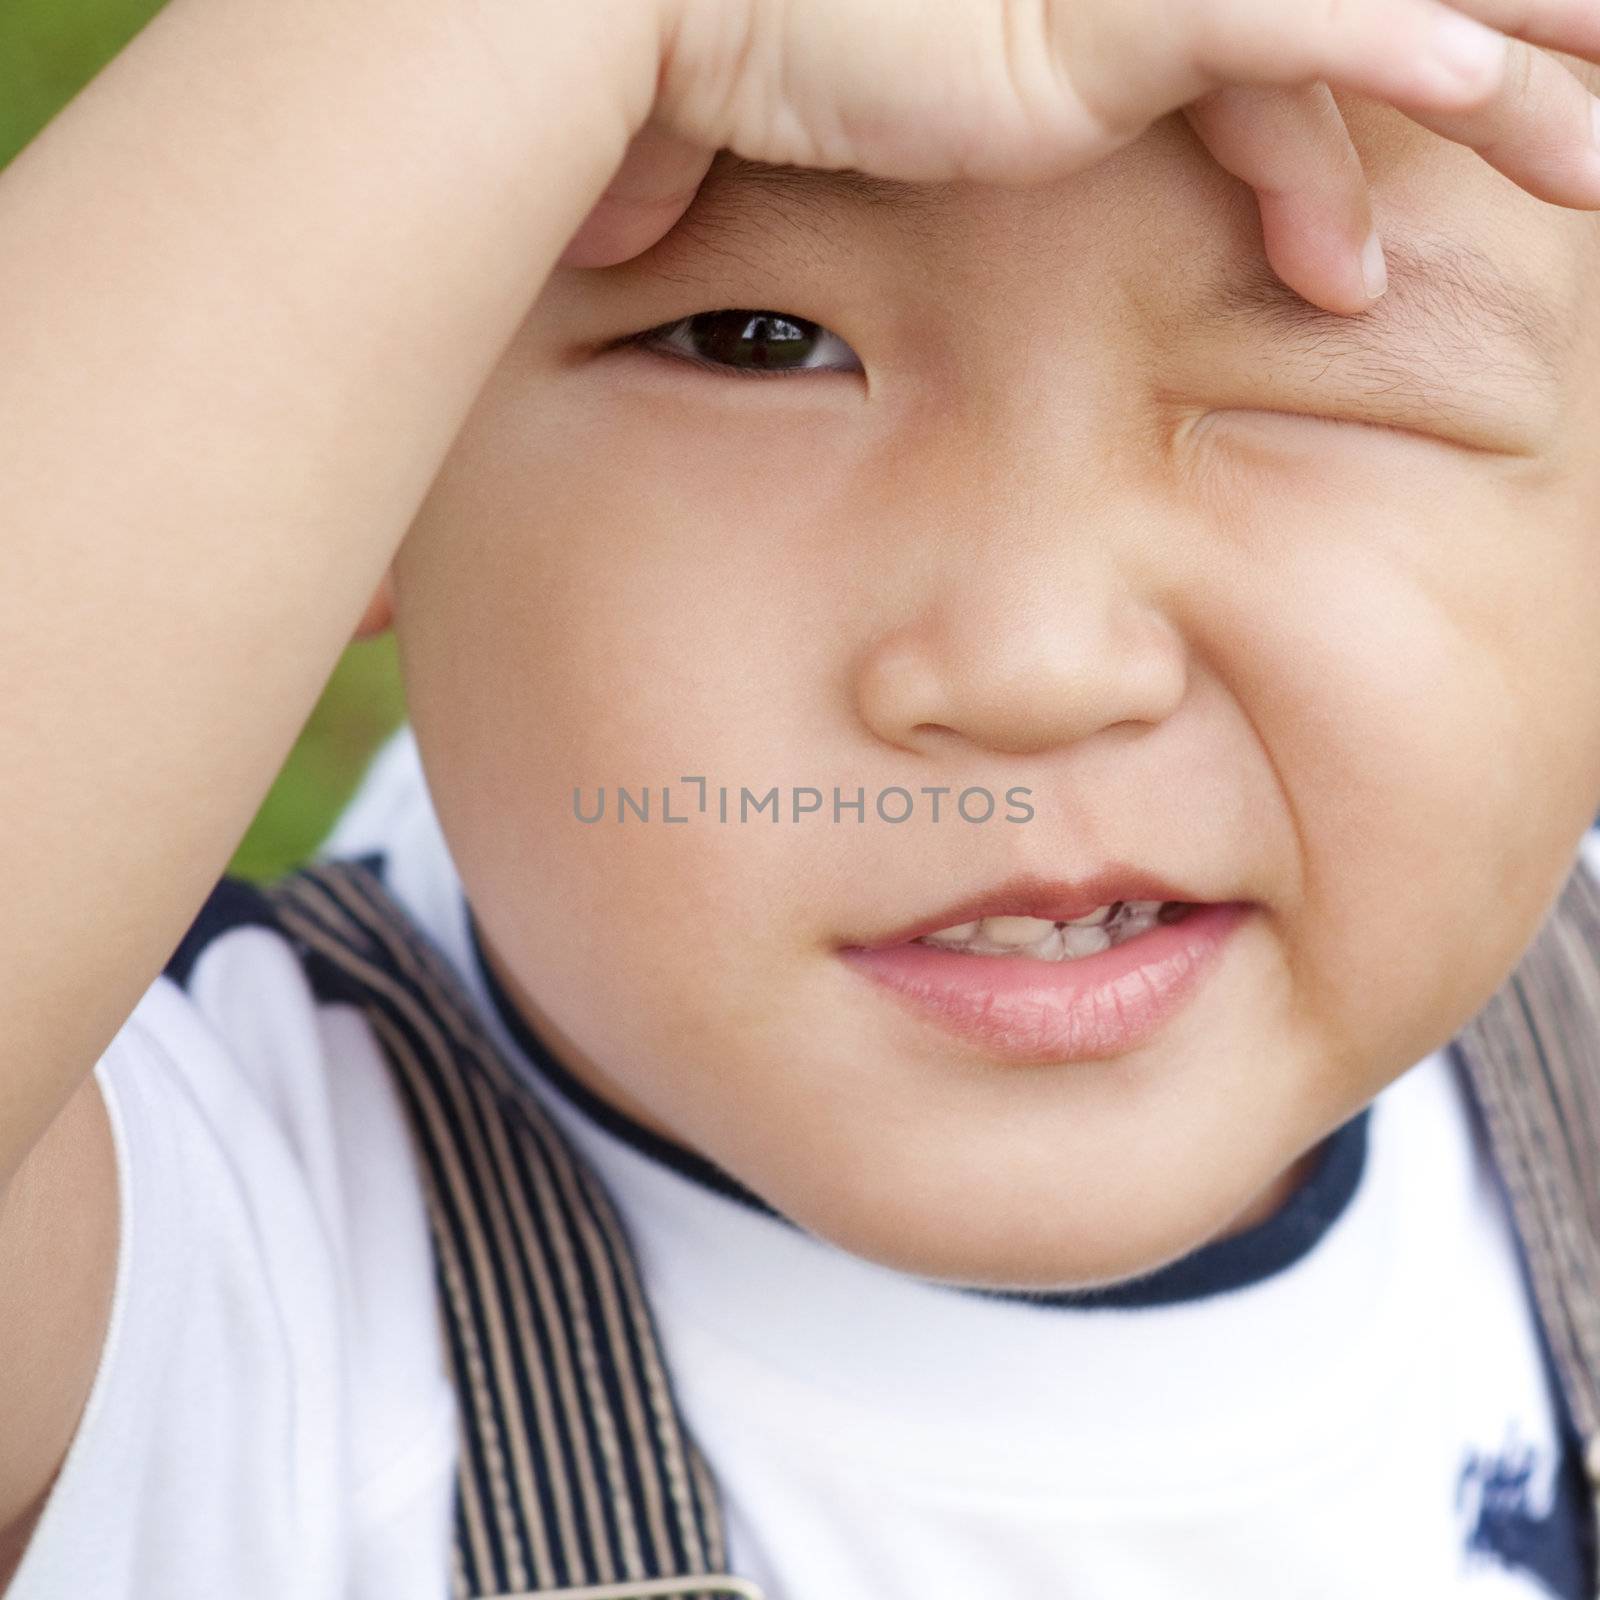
652, 188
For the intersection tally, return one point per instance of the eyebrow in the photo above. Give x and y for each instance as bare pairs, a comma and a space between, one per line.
737, 192
1455, 325
788, 182
1448, 303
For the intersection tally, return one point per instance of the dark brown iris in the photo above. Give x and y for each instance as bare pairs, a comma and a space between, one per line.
752, 339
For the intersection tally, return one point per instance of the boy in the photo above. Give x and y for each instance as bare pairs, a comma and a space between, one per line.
978, 1271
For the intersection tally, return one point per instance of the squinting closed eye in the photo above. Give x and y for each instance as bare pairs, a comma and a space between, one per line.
1456, 346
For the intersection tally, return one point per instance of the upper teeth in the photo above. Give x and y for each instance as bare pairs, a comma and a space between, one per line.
1018, 930
1085, 935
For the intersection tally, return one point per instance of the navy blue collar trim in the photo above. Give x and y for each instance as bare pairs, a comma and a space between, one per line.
1225, 1264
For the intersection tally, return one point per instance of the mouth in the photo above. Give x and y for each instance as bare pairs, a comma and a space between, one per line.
1040, 971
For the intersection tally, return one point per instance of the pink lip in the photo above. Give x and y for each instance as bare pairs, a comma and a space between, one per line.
1078, 1010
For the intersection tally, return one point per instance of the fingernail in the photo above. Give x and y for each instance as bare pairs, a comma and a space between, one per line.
1374, 268
1471, 53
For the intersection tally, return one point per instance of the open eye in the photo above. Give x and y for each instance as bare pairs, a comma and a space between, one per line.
756, 344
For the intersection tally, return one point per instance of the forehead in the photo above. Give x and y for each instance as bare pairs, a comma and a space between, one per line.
1489, 287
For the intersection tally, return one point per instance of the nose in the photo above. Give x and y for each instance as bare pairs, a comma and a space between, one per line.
1022, 646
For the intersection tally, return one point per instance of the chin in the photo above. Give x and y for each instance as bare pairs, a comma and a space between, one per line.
995, 1249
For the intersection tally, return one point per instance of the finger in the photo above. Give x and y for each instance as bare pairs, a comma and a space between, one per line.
1422, 51
1291, 146
1569, 25
1542, 129
1428, 54
657, 179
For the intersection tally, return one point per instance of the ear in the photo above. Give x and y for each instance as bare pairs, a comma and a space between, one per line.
379, 615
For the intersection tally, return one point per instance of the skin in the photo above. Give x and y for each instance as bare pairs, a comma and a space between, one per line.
1338, 665
60, 1238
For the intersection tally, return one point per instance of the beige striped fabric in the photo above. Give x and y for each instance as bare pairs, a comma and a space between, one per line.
1532, 1057
577, 1477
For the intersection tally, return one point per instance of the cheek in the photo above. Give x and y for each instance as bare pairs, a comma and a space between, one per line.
1419, 670
642, 598
570, 626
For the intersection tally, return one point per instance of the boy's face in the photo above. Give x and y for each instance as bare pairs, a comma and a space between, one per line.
1279, 607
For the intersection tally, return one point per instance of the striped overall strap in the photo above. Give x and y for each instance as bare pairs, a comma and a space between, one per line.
577, 1478
1532, 1059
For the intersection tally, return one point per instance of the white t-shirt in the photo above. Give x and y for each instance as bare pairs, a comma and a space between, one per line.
1350, 1400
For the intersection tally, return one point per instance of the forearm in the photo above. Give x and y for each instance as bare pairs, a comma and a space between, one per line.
251, 281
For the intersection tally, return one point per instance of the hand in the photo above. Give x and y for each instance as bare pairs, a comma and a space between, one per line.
1014, 91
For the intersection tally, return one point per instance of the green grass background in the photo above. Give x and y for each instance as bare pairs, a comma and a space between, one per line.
48, 50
